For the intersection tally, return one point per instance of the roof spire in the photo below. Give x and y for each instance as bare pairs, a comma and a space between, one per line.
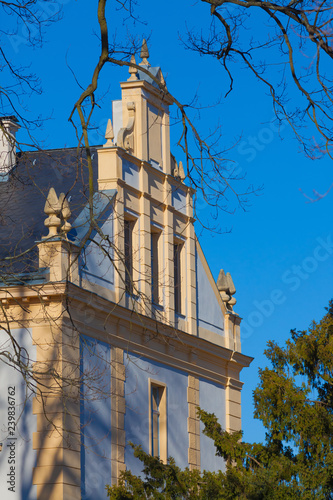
231, 285
65, 212
181, 172
144, 54
109, 135
52, 209
133, 71
222, 284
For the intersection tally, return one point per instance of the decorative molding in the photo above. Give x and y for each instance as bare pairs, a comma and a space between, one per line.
125, 138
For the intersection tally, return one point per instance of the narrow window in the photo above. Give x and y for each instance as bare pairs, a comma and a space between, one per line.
128, 237
158, 420
154, 268
177, 277
155, 420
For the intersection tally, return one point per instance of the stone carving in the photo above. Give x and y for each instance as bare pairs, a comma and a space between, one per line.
144, 54
161, 77
178, 171
125, 137
109, 135
226, 288
52, 209
65, 213
133, 71
181, 172
58, 211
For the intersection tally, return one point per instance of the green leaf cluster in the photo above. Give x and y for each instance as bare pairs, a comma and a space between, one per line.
165, 482
294, 401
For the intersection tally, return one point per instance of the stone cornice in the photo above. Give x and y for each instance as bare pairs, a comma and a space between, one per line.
133, 331
146, 86
144, 331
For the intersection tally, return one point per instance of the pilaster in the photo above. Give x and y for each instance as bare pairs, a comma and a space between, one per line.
145, 244
237, 338
109, 168
193, 423
57, 472
119, 255
228, 332
60, 256
166, 143
233, 405
191, 282
117, 413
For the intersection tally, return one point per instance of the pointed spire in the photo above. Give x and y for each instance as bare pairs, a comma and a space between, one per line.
144, 54
109, 135
133, 71
52, 210
231, 285
65, 213
181, 172
160, 76
52, 203
222, 284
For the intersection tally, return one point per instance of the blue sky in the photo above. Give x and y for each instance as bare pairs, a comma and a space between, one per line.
279, 251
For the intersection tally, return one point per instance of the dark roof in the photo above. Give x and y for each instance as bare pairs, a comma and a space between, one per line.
23, 195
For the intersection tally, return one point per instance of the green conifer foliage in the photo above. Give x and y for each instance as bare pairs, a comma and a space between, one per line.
294, 401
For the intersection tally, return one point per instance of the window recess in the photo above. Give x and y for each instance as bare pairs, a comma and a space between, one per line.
128, 255
178, 276
155, 267
158, 419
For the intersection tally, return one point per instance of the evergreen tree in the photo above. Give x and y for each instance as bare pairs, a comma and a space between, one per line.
294, 401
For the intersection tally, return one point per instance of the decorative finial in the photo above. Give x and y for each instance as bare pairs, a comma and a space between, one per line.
222, 284
226, 288
109, 135
175, 170
52, 209
181, 172
65, 213
232, 301
160, 76
232, 289
144, 54
133, 71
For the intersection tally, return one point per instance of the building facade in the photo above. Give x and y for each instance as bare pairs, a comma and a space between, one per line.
114, 317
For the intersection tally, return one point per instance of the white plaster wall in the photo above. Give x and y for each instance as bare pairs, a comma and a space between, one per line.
17, 451
212, 399
117, 117
138, 371
95, 411
97, 266
210, 315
